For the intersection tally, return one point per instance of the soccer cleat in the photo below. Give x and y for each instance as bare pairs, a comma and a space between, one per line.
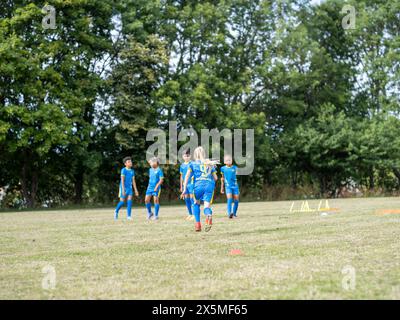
197, 227
231, 216
129, 218
154, 218
208, 223
115, 215
149, 215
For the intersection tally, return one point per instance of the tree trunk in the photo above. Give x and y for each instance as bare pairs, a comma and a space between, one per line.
34, 188
78, 184
29, 185
397, 174
24, 184
322, 182
294, 179
371, 180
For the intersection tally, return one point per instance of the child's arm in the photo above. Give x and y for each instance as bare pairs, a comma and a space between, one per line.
222, 184
123, 185
181, 183
159, 183
185, 182
134, 187
215, 176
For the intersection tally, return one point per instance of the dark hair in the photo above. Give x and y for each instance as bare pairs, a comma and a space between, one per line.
124, 160
186, 152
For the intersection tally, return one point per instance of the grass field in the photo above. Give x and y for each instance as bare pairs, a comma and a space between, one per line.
284, 255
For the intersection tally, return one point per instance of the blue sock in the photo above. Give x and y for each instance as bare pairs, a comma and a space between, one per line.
148, 206
196, 212
229, 206
188, 202
235, 206
119, 206
156, 209
129, 208
207, 211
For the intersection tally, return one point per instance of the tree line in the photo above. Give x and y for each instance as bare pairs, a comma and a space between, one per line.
323, 99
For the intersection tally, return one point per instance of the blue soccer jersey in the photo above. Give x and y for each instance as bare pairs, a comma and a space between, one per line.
204, 183
128, 175
229, 175
201, 172
155, 175
230, 180
183, 171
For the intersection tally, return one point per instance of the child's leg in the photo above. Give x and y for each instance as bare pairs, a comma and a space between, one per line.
208, 199
192, 201
236, 204
119, 205
156, 206
147, 200
129, 207
196, 210
189, 204
208, 213
207, 208
229, 202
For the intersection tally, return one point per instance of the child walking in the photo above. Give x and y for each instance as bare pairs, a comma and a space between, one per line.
125, 188
229, 181
188, 197
156, 178
204, 174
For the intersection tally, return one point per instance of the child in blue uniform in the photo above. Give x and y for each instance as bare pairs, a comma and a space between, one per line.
156, 178
189, 190
229, 181
204, 174
125, 188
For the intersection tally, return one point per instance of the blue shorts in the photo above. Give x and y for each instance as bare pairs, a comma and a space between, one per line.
232, 190
204, 191
150, 191
189, 188
128, 192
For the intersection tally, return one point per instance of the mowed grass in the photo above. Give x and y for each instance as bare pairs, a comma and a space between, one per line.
284, 255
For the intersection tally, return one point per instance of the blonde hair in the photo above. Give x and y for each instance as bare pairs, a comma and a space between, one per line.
200, 154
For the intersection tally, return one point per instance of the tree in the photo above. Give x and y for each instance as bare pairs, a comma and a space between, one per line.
49, 83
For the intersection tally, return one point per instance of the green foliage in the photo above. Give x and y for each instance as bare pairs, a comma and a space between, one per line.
323, 101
